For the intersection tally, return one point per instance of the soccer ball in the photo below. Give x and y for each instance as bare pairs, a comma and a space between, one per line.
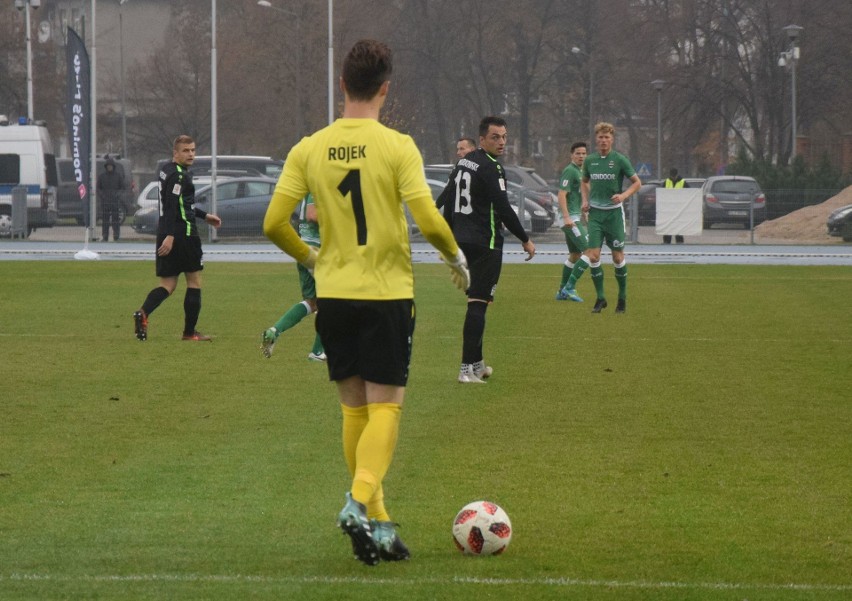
482, 528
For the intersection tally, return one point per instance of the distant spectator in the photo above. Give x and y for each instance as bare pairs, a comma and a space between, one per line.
110, 185
674, 181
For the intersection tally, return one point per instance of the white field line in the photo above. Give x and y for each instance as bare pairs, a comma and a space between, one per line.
496, 582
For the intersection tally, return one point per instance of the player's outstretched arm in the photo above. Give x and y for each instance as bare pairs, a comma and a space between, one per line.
436, 231
276, 227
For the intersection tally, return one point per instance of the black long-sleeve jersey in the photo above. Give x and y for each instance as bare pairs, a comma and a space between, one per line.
177, 199
480, 206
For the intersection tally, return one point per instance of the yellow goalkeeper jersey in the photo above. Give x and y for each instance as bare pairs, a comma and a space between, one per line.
360, 173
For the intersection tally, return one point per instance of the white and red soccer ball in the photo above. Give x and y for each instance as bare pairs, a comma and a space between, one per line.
482, 528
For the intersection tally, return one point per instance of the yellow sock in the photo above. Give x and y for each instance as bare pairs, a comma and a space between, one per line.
375, 450
376, 507
354, 421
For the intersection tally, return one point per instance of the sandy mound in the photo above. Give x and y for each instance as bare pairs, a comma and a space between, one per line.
807, 224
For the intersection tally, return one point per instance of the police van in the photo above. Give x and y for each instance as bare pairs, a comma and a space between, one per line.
27, 159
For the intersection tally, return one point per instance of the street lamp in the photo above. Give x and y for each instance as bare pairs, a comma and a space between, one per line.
658, 85
790, 58
576, 50
121, 75
267, 4
330, 62
25, 6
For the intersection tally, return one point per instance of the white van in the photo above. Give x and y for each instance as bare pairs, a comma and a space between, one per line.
27, 159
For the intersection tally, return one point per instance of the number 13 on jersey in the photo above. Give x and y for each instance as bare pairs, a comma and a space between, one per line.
463, 193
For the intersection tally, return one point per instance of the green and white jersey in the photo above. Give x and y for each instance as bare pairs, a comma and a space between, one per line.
569, 181
606, 175
308, 230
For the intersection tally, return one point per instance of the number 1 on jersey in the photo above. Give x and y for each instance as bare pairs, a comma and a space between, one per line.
351, 185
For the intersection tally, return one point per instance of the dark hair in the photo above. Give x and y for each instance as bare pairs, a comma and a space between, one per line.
489, 121
672, 172
470, 141
366, 67
182, 139
577, 145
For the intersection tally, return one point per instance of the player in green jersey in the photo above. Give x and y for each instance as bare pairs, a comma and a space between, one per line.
309, 232
603, 173
571, 205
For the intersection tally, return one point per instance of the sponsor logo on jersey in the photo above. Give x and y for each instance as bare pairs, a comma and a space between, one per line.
176, 190
468, 164
347, 153
603, 176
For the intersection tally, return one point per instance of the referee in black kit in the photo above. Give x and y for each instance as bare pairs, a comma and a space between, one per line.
476, 193
178, 242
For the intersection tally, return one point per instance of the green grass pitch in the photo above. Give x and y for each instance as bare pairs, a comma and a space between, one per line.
698, 447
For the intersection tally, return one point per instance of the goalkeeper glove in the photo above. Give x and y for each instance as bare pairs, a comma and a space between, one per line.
460, 273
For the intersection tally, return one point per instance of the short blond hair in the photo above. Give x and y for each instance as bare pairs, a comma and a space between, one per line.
604, 128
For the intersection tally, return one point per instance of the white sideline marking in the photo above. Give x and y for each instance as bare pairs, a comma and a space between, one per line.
554, 582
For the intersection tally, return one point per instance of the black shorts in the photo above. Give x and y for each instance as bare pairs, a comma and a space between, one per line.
367, 338
184, 258
485, 265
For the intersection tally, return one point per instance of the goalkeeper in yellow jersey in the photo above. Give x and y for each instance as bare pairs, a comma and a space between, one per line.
361, 175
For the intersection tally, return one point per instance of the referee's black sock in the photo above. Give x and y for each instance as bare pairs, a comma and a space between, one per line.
191, 309
155, 299
473, 332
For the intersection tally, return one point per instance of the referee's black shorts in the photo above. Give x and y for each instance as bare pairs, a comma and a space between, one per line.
184, 258
367, 338
485, 265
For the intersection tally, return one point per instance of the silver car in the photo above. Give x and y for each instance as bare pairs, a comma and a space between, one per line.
241, 202
733, 199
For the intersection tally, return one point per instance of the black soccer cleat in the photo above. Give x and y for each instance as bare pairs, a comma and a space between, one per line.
621, 307
353, 521
600, 305
140, 325
391, 547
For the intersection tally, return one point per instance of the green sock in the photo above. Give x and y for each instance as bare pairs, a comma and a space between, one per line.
578, 271
621, 278
296, 314
318, 349
567, 267
598, 280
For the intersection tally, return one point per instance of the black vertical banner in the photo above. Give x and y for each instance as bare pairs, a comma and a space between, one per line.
79, 114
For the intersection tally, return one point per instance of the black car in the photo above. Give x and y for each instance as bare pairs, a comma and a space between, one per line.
840, 223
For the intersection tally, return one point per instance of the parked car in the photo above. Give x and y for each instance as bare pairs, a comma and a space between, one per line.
840, 223
521, 180
241, 202
647, 197
149, 196
68, 201
733, 199
234, 165
537, 190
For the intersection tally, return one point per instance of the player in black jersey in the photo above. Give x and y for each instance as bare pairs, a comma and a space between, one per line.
178, 243
476, 192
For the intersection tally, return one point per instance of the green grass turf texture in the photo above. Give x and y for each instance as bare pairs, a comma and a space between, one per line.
697, 447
